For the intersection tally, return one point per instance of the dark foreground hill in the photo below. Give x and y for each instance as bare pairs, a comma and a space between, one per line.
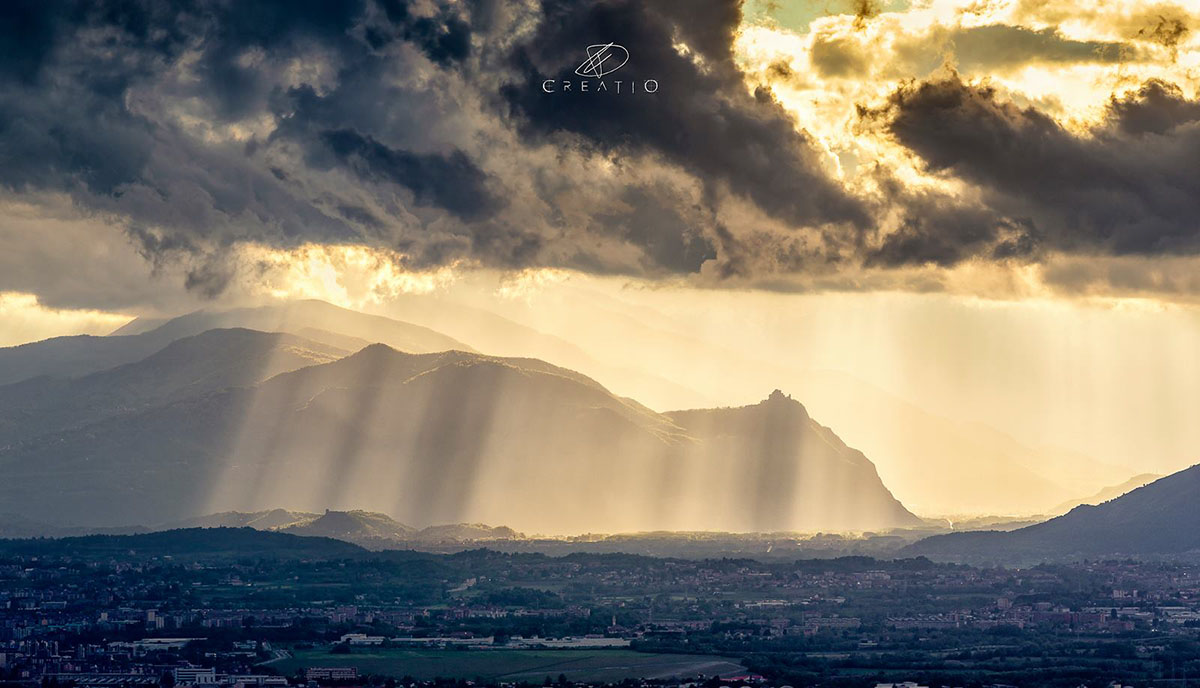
1161, 519
190, 544
450, 437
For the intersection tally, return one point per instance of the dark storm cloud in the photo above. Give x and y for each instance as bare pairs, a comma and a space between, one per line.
651, 217
1127, 188
939, 229
418, 126
445, 38
422, 127
451, 181
700, 118
237, 83
67, 123
1156, 108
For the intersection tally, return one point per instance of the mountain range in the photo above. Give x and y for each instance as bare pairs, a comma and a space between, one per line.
65, 357
1107, 493
1157, 519
187, 367
935, 462
220, 417
365, 528
918, 454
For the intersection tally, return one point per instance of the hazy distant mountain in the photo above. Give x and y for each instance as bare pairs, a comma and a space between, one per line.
340, 341
376, 530
465, 532
1161, 518
17, 526
993, 523
365, 528
501, 336
354, 526
939, 466
261, 520
767, 438
65, 357
449, 438
309, 318
1110, 492
932, 463
188, 367
71, 356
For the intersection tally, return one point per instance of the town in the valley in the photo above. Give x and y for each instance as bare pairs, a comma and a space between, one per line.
114, 617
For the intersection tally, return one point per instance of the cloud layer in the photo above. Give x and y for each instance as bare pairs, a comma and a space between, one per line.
767, 155
1121, 188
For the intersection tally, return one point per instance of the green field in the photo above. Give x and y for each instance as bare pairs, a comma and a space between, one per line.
515, 665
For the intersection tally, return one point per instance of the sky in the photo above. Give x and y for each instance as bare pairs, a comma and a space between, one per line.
987, 208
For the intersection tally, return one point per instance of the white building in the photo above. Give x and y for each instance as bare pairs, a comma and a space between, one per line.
362, 639
195, 676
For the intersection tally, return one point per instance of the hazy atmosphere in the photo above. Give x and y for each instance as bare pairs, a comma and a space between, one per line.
961, 235
599, 343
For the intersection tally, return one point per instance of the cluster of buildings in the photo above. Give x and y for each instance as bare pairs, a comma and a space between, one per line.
234, 624
148, 661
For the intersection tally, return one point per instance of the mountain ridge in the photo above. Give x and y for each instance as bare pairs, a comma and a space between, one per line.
193, 543
364, 528
192, 365
1143, 522
77, 355
449, 437
1108, 493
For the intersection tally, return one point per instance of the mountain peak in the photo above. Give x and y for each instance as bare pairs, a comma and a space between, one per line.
354, 525
376, 349
443, 436
778, 402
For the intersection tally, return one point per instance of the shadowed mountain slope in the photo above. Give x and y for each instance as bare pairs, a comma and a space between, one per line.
375, 530
315, 320
192, 366
768, 437
353, 526
1159, 519
1111, 492
450, 437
